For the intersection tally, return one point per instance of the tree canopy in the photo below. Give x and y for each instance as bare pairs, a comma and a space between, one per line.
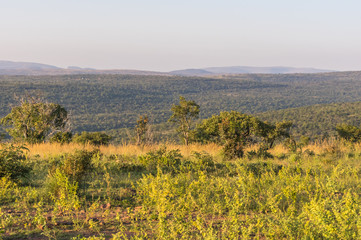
235, 130
33, 120
183, 115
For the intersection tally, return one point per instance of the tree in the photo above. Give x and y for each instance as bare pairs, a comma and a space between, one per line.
141, 129
271, 133
33, 120
183, 115
231, 129
235, 130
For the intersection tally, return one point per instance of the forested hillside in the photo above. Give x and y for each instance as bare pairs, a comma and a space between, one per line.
106, 102
319, 120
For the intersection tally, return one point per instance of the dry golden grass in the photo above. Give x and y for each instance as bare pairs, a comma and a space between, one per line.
45, 150
278, 150
329, 145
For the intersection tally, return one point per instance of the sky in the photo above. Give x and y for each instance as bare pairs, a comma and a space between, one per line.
164, 35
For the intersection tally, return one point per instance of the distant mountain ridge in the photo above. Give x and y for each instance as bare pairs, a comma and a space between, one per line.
30, 68
8, 65
246, 70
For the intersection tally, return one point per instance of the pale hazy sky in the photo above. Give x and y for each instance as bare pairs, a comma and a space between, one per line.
167, 35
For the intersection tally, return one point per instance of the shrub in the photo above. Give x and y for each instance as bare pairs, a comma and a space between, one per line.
202, 161
93, 138
162, 158
6, 185
63, 191
61, 137
75, 166
13, 162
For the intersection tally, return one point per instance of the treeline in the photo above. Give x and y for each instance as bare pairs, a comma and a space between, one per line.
35, 121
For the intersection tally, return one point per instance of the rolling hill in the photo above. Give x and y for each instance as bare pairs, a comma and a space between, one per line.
107, 102
244, 69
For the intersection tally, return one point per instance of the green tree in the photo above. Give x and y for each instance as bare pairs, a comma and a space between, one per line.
141, 129
271, 133
33, 120
231, 129
183, 115
235, 130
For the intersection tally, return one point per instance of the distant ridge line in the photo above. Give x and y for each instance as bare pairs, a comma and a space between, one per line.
31, 68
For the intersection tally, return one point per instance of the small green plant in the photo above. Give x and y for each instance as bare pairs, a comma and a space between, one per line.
63, 192
6, 186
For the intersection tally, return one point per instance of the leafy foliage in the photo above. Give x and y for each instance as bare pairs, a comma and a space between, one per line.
13, 162
141, 129
236, 130
61, 137
33, 120
183, 115
63, 192
77, 165
93, 138
167, 160
302, 196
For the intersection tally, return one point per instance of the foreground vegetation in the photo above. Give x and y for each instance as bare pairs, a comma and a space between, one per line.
235, 177
174, 192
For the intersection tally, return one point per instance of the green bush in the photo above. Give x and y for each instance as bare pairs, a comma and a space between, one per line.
202, 162
13, 162
93, 138
61, 137
63, 191
6, 188
75, 166
162, 158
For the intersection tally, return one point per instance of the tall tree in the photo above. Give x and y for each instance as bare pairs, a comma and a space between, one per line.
141, 129
183, 115
33, 120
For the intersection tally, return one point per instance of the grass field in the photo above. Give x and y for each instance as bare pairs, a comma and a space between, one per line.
183, 192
